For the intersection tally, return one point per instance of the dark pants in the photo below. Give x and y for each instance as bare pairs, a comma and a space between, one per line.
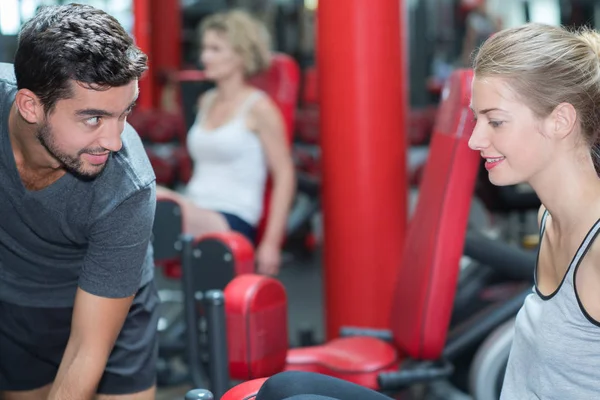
239, 225
33, 340
296, 385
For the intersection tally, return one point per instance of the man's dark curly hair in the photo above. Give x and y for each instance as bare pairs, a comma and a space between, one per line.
74, 42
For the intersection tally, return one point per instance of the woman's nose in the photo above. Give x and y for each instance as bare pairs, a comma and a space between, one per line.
479, 139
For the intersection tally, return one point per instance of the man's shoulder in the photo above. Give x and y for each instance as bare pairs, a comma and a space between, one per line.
128, 172
132, 160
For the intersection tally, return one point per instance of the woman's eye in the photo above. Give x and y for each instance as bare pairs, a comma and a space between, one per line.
495, 124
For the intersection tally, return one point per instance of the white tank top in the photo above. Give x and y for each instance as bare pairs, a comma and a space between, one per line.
230, 169
556, 348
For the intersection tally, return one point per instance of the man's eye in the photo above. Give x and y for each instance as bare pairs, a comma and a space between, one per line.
94, 121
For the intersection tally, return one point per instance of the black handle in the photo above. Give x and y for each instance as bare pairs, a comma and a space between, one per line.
425, 372
214, 301
191, 297
507, 259
382, 334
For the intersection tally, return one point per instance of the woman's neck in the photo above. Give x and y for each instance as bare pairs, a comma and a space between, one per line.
230, 88
570, 191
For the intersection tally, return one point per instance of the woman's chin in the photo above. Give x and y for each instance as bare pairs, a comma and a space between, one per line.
500, 180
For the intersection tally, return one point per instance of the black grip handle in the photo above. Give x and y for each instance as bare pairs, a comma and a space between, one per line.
191, 297
214, 301
199, 394
507, 259
400, 379
382, 334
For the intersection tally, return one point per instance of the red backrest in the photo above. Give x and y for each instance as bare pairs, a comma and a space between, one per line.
281, 82
427, 279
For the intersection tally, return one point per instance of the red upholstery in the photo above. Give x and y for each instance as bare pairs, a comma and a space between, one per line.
310, 87
244, 391
142, 121
355, 359
167, 127
421, 122
257, 336
307, 125
281, 82
426, 283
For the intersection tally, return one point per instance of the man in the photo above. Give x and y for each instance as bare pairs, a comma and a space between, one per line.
78, 307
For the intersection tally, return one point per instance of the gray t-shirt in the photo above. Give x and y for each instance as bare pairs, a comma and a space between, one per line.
94, 235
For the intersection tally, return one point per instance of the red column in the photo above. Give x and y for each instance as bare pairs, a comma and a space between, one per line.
363, 114
142, 33
166, 41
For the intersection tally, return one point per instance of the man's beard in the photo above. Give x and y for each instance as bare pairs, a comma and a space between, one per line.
72, 164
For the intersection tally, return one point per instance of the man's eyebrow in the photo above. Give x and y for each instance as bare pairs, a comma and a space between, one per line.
131, 105
95, 112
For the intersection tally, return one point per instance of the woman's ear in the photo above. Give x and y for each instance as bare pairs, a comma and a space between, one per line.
29, 106
563, 120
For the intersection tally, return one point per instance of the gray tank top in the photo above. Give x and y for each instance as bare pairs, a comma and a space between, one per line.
556, 348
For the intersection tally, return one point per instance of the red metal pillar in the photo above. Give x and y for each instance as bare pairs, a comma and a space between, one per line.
166, 41
363, 115
142, 33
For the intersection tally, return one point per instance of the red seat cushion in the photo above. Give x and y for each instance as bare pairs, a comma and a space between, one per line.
244, 391
257, 336
355, 359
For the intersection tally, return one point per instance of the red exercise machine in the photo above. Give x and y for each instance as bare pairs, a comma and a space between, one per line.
426, 281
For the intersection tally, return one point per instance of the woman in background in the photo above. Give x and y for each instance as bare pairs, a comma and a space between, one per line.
237, 140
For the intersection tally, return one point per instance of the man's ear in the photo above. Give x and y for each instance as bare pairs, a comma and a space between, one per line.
563, 120
29, 106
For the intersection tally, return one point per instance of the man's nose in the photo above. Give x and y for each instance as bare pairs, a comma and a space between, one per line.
111, 139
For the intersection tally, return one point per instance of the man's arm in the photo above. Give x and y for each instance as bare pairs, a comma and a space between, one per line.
96, 324
109, 279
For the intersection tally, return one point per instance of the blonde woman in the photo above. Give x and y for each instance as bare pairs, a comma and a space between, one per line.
535, 97
238, 138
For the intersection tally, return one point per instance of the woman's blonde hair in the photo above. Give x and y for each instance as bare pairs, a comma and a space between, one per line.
548, 65
248, 36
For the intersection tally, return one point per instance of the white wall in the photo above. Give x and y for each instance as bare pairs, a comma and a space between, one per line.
512, 12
